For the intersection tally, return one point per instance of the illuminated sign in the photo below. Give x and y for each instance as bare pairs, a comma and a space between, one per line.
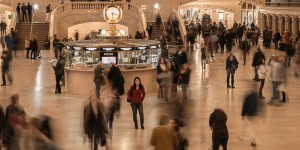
108, 54
77, 48
108, 48
91, 49
68, 47
153, 47
142, 47
125, 48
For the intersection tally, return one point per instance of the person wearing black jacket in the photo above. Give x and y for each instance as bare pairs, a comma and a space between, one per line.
55, 46
251, 109
98, 76
33, 47
277, 37
6, 59
217, 122
229, 40
24, 8
29, 11
149, 29
258, 55
18, 9
116, 80
59, 72
184, 79
231, 66
222, 40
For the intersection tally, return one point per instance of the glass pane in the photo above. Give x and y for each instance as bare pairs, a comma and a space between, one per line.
249, 6
244, 6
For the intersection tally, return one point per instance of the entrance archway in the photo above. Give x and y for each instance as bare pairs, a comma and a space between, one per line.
8, 16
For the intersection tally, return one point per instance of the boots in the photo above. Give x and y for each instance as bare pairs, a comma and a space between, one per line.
136, 125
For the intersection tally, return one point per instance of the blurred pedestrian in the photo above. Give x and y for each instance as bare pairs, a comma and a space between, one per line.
15, 41
217, 123
47, 43
24, 12
184, 79
297, 59
203, 56
252, 111
18, 9
162, 70
258, 55
149, 29
55, 46
164, 137
245, 47
27, 47
59, 72
34, 47
116, 80
158, 21
277, 38
231, 66
183, 141
94, 123
48, 11
262, 73
5, 67
136, 95
175, 75
98, 78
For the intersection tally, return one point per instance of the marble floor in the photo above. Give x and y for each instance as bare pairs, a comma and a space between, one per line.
34, 81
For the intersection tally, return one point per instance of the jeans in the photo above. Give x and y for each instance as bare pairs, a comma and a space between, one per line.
34, 54
58, 88
139, 107
262, 83
232, 79
218, 142
275, 91
255, 73
5, 71
98, 87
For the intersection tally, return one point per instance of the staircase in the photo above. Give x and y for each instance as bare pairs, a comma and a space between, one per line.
40, 30
156, 34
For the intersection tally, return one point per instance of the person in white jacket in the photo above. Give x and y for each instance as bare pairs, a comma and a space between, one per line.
262, 71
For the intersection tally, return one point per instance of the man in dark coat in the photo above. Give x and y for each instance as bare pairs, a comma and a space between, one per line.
258, 55
6, 59
24, 8
34, 47
18, 9
94, 123
149, 29
59, 72
217, 122
29, 10
116, 79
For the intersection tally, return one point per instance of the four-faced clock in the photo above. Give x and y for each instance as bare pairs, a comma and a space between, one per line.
113, 13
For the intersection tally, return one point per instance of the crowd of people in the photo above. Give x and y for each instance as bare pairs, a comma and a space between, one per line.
24, 12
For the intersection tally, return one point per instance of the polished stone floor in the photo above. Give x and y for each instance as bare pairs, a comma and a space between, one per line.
34, 81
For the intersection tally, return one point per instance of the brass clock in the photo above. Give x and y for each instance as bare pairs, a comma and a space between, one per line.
112, 13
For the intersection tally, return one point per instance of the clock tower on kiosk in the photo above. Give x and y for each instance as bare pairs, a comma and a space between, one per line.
112, 14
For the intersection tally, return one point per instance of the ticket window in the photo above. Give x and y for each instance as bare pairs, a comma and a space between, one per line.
126, 55
142, 55
91, 56
108, 55
155, 53
76, 55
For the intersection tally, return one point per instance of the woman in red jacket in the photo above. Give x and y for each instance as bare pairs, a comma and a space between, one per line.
136, 94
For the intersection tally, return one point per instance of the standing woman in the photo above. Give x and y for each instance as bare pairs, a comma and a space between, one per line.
161, 73
231, 66
27, 46
137, 94
262, 71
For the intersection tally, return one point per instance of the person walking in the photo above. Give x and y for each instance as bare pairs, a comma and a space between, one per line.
164, 137
47, 43
222, 40
217, 123
162, 70
277, 37
149, 30
252, 110
24, 9
29, 11
27, 47
258, 55
6, 59
229, 40
158, 21
55, 46
262, 71
231, 66
59, 72
245, 48
136, 95
34, 47
98, 77
48, 11
116, 80
94, 123
184, 79
175, 75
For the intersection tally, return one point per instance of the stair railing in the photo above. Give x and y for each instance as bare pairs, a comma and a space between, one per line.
94, 6
182, 29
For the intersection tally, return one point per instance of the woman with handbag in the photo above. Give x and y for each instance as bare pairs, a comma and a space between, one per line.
136, 95
231, 66
162, 77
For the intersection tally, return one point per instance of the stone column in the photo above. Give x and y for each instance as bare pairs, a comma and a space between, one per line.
294, 23
259, 24
274, 23
287, 23
280, 26
268, 20
262, 21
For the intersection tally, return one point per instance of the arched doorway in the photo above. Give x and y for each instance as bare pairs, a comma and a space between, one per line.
7, 16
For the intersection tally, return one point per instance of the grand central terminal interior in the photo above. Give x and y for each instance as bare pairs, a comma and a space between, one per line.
146, 74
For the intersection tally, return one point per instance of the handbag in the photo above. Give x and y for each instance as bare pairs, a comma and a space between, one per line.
128, 98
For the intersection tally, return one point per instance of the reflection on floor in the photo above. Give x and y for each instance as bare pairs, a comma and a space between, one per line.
34, 81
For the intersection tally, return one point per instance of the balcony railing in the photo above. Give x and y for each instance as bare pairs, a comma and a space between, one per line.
283, 4
134, 13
